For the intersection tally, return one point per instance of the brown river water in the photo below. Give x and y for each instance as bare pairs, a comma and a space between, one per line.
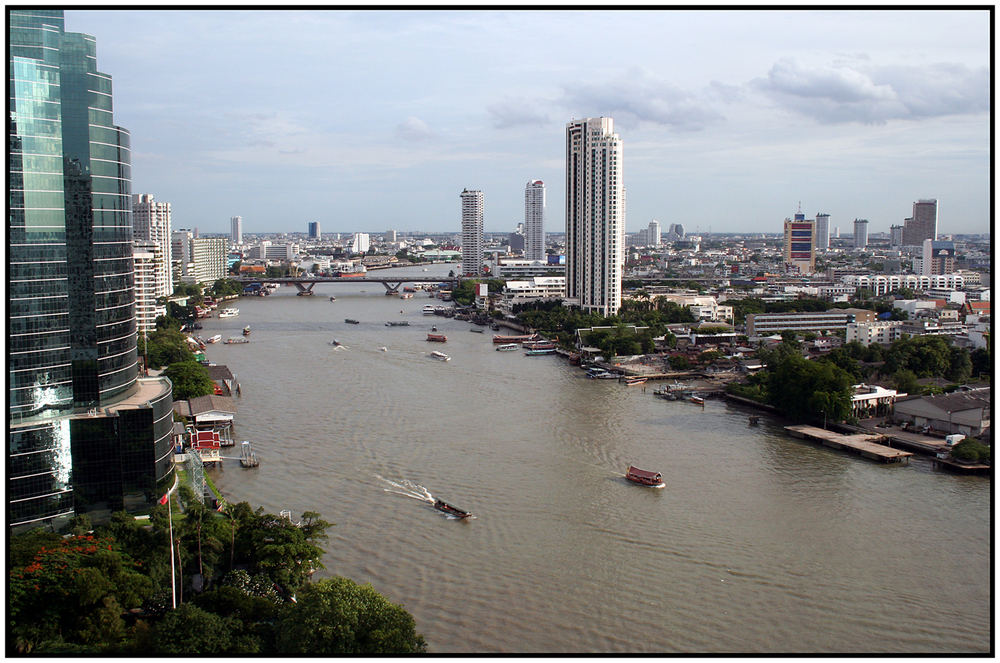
759, 543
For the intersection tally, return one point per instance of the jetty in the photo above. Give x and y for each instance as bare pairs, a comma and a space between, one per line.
865, 444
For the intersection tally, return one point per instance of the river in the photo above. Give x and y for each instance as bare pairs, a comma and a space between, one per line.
759, 543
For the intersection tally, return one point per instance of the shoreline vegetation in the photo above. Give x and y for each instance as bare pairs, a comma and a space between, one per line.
242, 586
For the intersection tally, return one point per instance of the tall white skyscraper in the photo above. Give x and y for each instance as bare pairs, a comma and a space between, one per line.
822, 231
151, 223
236, 230
472, 232
360, 243
534, 220
595, 215
653, 233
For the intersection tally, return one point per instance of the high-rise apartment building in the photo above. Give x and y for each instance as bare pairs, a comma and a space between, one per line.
800, 243
180, 251
390, 236
236, 230
922, 225
314, 231
860, 233
148, 261
86, 434
360, 243
151, 223
472, 232
595, 215
823, 231
208, 258
534, 220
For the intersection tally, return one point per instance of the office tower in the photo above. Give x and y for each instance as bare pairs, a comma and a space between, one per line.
390, 236
360, 243
86, 434
922, 225
236, 230
516, 240
895, 236
822, 231
534, 220
595, 215
938, 257
472, 232
860, 233
800, 243
314, 231
653, 233
151, 222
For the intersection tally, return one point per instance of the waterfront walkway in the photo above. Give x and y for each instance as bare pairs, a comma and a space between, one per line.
865, 444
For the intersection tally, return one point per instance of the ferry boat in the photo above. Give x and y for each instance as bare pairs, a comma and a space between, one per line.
214, 339
507, 347
397, 323
237, 339
644, 477
698, 400
441, 505
540, 351
229, 313
429, 309
516, 339
635, 379
351, 321
539, 345
437, 338
440, 356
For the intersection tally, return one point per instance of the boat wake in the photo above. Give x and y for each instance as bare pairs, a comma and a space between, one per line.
407, 488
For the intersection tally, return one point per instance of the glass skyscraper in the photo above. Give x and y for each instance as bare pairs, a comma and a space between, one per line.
86, 434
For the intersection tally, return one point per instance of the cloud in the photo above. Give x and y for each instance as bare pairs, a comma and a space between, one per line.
640, 99
516, 112
413, 128
862, 92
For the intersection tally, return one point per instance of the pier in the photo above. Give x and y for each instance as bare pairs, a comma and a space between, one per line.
865, 444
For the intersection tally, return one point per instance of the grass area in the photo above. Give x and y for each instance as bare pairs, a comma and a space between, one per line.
211, 486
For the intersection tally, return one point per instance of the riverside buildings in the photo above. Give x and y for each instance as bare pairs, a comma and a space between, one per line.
151, 223
86, 434
595, 216
472, 232
534, 220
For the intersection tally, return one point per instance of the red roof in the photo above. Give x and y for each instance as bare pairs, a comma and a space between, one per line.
643, 473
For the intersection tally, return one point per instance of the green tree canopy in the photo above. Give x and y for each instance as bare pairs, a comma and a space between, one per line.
190, 379
339, 616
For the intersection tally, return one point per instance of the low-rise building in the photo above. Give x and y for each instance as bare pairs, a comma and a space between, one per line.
881, 332
966, 412
538, 288
872, 401
764, 324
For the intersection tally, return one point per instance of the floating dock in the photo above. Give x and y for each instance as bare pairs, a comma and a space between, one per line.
865, 444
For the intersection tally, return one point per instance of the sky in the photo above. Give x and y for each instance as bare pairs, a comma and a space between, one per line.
370, 120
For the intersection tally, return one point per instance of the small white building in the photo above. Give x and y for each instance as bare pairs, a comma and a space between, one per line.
872, 401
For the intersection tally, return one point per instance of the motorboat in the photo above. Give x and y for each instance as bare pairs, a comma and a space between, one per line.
397, 323
644, 477
441, 505
333, 299
507, 347
214, 339
534, 352
440, 356
351, 321
246, 330
229, 313
635, 379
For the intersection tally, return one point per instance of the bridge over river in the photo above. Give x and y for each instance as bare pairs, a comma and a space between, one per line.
305, 285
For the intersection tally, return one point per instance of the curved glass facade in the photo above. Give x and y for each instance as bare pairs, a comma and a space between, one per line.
72, 357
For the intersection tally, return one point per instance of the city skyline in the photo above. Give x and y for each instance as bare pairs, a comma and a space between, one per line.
888, 107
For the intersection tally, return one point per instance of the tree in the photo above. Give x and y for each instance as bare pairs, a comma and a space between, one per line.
805, 389
191, 630
164, 347
905, 381
959, 365
982, 364
190, 379
972, 450
339, 616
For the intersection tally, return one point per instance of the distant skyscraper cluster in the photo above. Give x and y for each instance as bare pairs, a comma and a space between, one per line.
595, 215
534, 220
472, 232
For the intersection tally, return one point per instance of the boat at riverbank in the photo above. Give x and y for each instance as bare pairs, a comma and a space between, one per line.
644, 477
635, 379
214, 339
429, 309
229, 313
521, 338
507, 347
441, 505
541, 351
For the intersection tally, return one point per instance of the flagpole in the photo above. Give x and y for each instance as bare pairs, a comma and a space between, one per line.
173, 583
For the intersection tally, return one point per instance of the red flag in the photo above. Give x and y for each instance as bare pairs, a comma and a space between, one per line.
163, 500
